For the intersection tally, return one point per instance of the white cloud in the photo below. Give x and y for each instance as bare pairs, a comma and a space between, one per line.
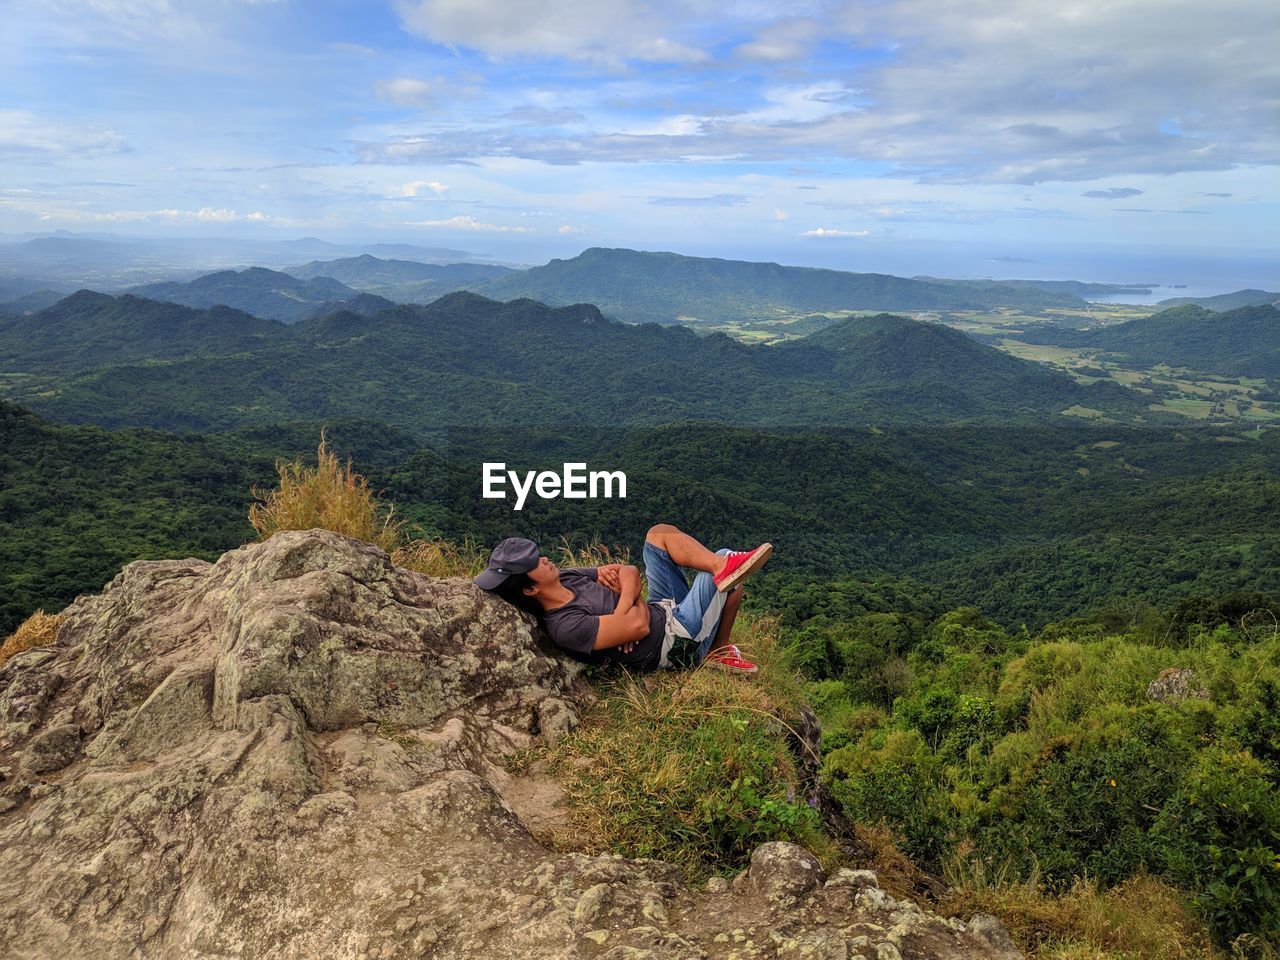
1028, 91
784, 40
469, 223
565, 229
963, 91
27, 134
611, 32
169, 215
418, 187
826, 232
780, 215
411, 91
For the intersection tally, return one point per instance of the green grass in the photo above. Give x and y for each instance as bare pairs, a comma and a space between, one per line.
692, 766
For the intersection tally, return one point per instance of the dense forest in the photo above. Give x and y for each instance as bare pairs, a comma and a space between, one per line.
1244, 341
465, 359
642, 287
1028, 524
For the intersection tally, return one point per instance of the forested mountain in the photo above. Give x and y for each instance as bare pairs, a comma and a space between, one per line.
1027, 523
468, 360
264, 293
1043, 293
31, 302
405, 281
666, 287
1240, 342
90, 329
1226, 301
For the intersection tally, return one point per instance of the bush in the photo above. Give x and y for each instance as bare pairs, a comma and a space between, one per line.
695, 766
329, 496
38, 630
1222, 836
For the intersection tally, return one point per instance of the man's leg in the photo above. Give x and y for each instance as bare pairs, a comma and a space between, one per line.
683, 549
701, 611
731, 602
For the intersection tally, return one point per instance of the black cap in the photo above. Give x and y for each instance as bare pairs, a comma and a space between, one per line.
513, 555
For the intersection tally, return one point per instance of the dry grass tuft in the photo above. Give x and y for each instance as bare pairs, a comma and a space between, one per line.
329, 495
437, 557
1143, 918
591, 555
38, 630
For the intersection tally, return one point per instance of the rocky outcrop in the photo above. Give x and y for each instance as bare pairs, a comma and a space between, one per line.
1175, 684
290, 754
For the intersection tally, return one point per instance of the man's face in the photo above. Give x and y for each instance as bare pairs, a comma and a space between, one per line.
544, 573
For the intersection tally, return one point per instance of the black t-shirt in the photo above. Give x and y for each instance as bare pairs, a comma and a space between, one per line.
575, 625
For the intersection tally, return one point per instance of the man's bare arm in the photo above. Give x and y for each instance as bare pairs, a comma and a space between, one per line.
617, 629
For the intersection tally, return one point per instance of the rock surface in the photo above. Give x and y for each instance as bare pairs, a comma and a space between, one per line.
1175, 684
290, 754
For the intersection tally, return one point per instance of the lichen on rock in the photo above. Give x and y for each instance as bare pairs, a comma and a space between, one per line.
291, 753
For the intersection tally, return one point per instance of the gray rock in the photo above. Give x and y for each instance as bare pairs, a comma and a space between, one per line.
1176, 684
853, 879
291, 754
556, 717
993, 933
52, 749
781, 869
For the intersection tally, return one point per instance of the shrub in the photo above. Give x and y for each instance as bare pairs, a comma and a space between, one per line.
692, 766
1222, 838
1143, 918
330, 496
437, 557
38, 630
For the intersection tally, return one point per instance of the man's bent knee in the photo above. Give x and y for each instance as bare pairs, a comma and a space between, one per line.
658, 532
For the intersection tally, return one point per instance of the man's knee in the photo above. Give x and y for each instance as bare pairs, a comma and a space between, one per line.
658, 532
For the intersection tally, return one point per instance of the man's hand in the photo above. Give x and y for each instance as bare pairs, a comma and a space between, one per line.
610, 576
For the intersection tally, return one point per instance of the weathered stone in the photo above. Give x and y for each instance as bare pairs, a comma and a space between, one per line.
556, 717
781, 869
52, 749
1174, 684
853, 879
993, 933
290, 754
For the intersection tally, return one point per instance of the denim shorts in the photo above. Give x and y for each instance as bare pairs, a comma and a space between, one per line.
697, 607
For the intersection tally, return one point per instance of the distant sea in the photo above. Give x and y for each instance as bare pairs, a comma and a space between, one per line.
1168, 273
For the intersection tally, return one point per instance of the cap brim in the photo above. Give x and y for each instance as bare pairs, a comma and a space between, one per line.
491, 579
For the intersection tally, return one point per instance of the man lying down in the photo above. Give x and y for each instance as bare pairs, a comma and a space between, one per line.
597, 615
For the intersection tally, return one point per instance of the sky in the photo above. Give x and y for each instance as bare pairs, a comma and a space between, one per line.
952, 137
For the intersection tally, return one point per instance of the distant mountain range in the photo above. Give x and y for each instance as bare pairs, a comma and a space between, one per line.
468, 360
404, 281
1226, 301
636, 286
87, 330
1240, 342
264, 293
110, 263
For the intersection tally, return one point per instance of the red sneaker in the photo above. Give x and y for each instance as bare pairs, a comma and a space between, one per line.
739, 564
730, 658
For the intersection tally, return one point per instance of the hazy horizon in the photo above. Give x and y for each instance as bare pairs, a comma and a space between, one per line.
1128, 142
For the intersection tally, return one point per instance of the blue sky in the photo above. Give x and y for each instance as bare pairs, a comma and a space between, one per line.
959, 137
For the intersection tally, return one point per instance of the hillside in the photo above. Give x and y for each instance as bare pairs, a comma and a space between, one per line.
90, 329
1226, 301
404, 281
1037, 293
467, 360
1027, 523
264, 293
1240, 342
668, 288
